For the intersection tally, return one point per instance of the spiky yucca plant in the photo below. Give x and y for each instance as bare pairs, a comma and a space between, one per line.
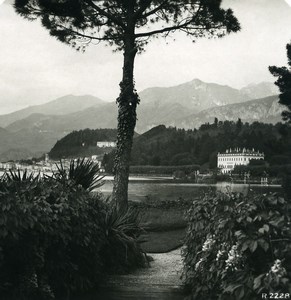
20, 176
83, 172
122, 230
14, 180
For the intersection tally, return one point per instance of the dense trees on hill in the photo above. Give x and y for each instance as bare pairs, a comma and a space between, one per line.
82, 143
163, 146
181, 147
172, 146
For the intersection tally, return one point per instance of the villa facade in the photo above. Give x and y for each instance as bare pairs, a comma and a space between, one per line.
227, 160
106, 144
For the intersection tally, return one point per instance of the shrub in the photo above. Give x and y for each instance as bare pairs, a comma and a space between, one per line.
84, 172
57, 238
50, 238
237, 247
121, 251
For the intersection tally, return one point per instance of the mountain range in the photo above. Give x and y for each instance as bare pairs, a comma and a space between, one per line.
266, 110
61, 106
34, 130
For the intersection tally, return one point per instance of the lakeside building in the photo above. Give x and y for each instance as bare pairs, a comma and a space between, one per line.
106, 144
47, 165
227, 160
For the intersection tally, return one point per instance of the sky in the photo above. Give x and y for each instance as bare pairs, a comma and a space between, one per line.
35, 68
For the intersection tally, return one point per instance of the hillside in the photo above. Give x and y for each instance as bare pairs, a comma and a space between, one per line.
26, 143
82, 143
61, 106
18, 154
196, 95
260, 90
171, 146
36, 129
178, 106
266, 110
98, 116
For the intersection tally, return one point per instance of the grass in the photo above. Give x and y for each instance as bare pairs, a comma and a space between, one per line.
159, 219
165, 228
163, 241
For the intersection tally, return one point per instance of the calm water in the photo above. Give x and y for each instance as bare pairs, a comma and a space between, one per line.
141, 190
163, 188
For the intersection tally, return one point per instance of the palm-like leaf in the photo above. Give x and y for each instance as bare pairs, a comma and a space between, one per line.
20, 176
122, 230
83, 172
13, 180
125, 226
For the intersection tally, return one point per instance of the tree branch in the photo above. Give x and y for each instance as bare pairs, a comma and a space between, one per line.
142, 8
166, 29
104, 13
89, 36
153, 11
170, 28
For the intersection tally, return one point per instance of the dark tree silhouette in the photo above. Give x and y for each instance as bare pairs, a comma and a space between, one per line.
284, 84
128, 25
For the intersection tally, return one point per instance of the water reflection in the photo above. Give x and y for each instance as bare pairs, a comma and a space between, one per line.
142, 190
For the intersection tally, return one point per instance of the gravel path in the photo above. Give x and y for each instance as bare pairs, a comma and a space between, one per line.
160, 281
165, 269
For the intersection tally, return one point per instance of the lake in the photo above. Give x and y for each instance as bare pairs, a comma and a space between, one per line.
155, 189
165, 188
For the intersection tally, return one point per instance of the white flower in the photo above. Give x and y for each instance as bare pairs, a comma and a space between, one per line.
197, 265
208, 244
219, 254
277, 269
233, 259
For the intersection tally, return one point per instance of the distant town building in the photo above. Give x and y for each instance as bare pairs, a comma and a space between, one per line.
227, 160
97, 160
94, 157
106, 144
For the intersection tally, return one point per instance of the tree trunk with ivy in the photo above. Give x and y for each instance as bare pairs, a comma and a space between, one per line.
127, 104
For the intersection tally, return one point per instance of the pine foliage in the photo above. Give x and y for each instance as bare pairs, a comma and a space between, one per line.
80, 22
284, 84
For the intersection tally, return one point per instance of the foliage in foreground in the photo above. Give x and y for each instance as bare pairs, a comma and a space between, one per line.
238, 247
54, 238
122, 252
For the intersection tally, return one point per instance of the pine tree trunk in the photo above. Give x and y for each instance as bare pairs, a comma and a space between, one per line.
127, 103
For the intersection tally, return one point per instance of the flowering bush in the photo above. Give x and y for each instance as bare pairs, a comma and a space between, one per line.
237, 247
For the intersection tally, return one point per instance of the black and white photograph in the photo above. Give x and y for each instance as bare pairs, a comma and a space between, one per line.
145, 149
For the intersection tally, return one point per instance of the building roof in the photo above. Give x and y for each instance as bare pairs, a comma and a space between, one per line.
241, 151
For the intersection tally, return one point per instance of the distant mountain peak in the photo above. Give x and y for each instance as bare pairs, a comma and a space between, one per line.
253, 84
260, 90
266, 110
195, 95
196, 81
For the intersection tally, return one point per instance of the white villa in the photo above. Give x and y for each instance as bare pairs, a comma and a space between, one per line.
227, 160
106, 144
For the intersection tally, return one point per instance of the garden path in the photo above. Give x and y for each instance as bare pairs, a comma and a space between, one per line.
161, 281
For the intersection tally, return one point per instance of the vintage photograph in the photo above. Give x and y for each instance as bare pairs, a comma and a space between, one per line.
145, 149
